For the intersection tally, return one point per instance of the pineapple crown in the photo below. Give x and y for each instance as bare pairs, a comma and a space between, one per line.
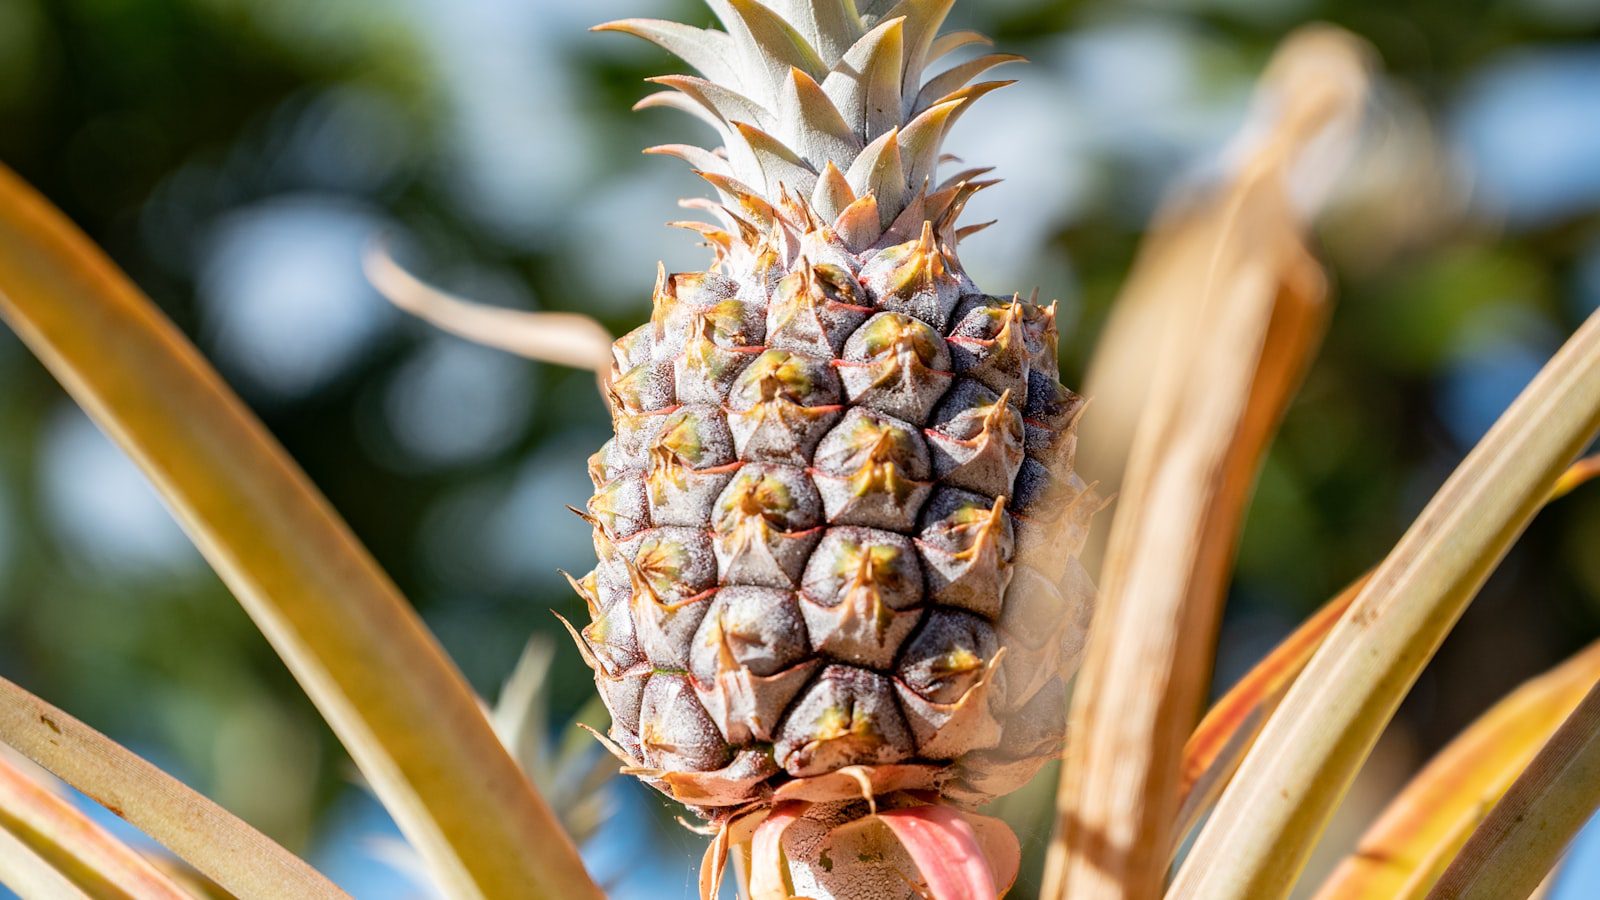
828, 126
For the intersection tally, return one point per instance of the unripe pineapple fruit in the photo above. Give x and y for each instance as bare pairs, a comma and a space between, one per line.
837, 524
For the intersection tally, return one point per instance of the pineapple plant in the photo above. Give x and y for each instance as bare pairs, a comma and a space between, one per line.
837, 525
837, 597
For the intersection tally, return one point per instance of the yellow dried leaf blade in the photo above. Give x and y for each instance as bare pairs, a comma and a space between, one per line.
227, 850
1220, 740
1279, 802
1229, 729
1526, 832
359, 650
28, 875
1402, 855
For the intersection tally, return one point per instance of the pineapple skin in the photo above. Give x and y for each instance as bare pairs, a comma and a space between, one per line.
837, 525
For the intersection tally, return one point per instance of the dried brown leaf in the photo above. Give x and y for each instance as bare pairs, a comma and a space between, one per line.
1243, 304
1312, 93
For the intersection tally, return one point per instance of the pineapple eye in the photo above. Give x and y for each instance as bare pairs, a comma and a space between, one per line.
893, 333
682, 439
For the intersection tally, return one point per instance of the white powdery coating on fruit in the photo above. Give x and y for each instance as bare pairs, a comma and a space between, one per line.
791, 532
838, 516
860, 863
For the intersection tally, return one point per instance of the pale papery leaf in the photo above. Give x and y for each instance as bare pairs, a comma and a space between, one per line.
832, 194
831, 26
1258, 315
970, 95
521, 711
1241, 311
746, 200
1318, 91
1313, 87
771, 45
721, 105
714, 864
731, 834
692, 106
878, 171
808, 116
865, 85
860, 223
710, 52
780, 167
697, 157
951, 41
741, 869
919, 143
923, 20
948, 82
853, 782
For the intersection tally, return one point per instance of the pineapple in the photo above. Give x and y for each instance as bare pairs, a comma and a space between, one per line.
837, 525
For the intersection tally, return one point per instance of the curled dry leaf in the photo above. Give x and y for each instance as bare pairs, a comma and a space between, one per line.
567, 339
854, 782
1239, 304
769, 872
1311, 95
730, 834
